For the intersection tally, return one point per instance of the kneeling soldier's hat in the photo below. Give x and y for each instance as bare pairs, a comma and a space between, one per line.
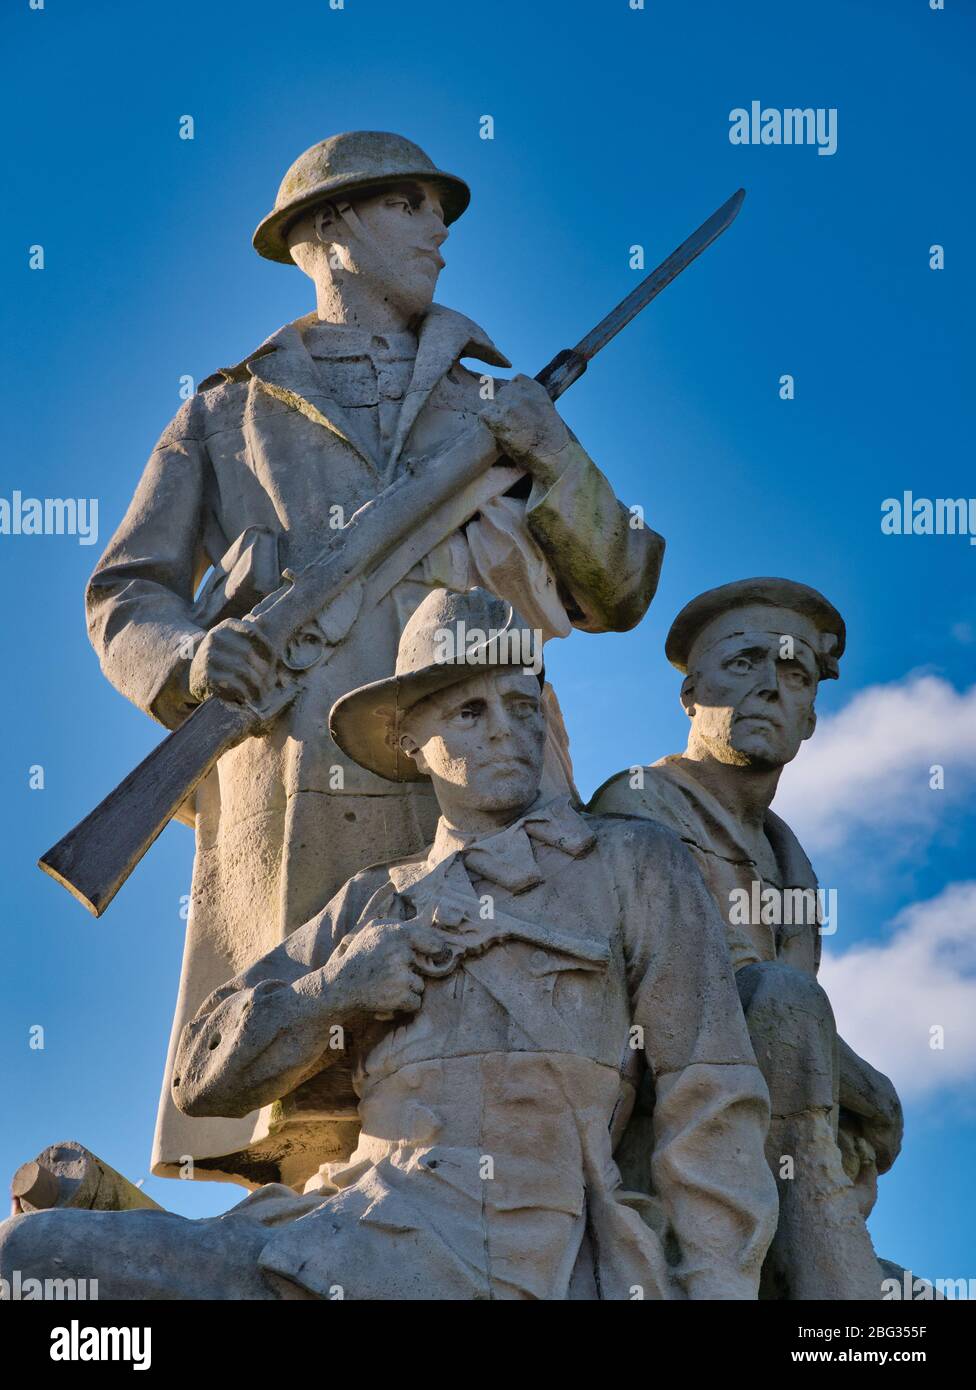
361, 162
450, 638
715, 613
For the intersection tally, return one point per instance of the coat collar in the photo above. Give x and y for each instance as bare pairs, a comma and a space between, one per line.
445, 337
709, 820
285, 368
506, 857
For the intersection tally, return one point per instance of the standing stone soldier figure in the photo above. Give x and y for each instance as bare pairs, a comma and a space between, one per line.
248, 479
490, 1004
752, 654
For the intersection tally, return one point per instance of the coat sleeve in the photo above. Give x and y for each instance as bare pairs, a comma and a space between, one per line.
139, 599
255, 1038
607, 565
711, 1109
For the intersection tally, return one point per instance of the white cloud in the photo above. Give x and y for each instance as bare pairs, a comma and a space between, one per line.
867, 768
889, 995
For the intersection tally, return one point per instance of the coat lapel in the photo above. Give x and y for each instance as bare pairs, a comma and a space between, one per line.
285, 368
445, 336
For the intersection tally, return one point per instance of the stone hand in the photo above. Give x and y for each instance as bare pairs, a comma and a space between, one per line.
234, 662
524, 421
376, 971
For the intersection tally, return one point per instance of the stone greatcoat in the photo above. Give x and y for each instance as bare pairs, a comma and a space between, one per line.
245, 480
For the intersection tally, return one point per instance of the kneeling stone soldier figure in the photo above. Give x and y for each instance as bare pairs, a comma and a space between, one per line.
249, 478
489, 1005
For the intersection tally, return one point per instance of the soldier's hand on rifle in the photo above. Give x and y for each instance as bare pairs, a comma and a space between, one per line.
524, 421
234, 662
376, 971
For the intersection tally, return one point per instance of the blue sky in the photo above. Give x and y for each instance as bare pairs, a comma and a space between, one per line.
610, 129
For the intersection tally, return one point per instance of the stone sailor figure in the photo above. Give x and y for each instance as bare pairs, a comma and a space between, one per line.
488, 1007
248, 479
752, 654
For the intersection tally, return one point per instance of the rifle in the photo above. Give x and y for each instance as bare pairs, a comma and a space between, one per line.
95, 858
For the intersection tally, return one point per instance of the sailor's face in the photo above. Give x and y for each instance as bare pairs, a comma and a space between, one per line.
398, 246
752, 697
483, 740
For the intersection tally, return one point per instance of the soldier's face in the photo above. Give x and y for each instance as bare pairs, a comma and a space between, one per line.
751, 698
481, 742
393, 240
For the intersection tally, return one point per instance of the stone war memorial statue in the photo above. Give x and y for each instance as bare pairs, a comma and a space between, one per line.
290, 520
486, 1008
246, 481
461, 1037
752, 654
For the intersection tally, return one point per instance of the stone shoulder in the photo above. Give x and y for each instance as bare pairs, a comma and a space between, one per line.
639, 834
654, 798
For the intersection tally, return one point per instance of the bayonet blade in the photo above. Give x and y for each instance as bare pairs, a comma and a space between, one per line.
570, 364
660, 278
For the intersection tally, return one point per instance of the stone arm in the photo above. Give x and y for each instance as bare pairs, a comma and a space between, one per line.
265, 1032
868, 1094
607, 567
139, 599
869, 1102
711, 1109
605, 560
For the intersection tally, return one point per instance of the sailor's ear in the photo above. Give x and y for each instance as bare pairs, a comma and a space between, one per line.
811, 725
688, 696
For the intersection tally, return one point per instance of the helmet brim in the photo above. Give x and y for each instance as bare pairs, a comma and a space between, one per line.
270, 240
365, 723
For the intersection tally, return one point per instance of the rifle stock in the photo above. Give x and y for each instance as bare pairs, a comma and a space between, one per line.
98, 855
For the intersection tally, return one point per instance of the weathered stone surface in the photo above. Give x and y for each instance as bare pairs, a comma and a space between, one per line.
69, 1175
496, 1000
531, 1051
752, 654
248, 478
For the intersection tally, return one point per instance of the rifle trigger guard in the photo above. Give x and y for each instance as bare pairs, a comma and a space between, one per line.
438, 966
